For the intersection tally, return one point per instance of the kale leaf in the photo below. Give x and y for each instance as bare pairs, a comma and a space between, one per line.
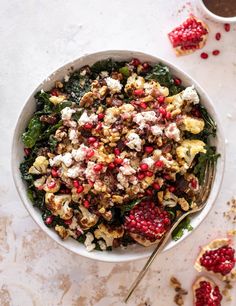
179, 231
43, 104
210, 125
34, 130
24, 169
127, 207
161, 74
108, 65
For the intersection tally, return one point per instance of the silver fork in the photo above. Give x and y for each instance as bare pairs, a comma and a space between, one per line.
201, 203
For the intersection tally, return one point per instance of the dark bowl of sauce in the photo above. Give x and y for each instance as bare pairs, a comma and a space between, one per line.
221, 10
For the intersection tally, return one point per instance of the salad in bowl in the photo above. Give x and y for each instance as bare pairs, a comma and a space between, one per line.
114, 152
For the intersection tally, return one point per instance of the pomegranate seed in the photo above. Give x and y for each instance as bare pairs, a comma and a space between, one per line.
68, 222
27, 151
216, 52
54, 172
162, 111
98, 167
146, 66
96, 144
171, 189
141, 176
51, 185
177, 81
40, 187
135, 62
86, 204
116, 151
149, 192
156, 186
91, 183
54, 92
168, 115
138, 92
218, 36
118, 161
88, 126
143, 105
80, 189
98, 127
76, 184
149, 149
204, 55
161, 99
49, 220
227, 27
193, 183
101, 116
143, 167
159, 164
91, 140
149, 173
111, 166
90, 154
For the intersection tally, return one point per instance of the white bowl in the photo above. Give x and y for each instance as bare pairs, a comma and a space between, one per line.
135, 251
213, 16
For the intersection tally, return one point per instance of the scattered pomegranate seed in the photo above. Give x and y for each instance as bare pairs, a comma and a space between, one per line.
98, 127
91, 183
143, 105
98, 167
143, 167
149, 192
218, 36
80, 189
76, 184
149, 173
138, 92
88, 126
51, 185
101, 116
54, 172
68, 222
49, 220
204, 55
193, 183
118, 161
54, 92
168, 115
135, 62
156, 186
161, 99
159, 164
96, 144
171, 189
216, 52
90, 154
27, 151
141, 176
162, 111
116, 151
91, 140
86, 204
111, 166
146, 66
177, 81
227, 27
149, 149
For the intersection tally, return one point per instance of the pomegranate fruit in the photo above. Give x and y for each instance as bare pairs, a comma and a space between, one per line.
206, 293
147, 223
189, 36
216, 257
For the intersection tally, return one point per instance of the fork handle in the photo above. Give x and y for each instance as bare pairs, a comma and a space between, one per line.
156, 251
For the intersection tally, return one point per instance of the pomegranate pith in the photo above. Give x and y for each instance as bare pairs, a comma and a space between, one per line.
148, 221
206, 293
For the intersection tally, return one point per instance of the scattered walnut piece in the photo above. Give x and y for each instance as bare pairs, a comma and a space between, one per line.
180, 292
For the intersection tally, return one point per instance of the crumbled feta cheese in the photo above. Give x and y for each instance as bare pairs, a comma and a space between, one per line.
149, 161
172, 132
84, 118
111, 115
89, 242
104, 74
66, 113
80, 153
102, 245
89, 172
58, 159
127, 170
66, 78
73, 136
114, 85
156, 130
134, 142
75, 171
190, 95
123, 180
142, 118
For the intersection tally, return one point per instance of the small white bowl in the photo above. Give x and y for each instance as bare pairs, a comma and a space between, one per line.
213, 16
133, 252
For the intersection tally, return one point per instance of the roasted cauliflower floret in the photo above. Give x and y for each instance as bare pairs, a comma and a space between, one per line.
62, 231
39, 166
188, 149
52, 185
87, 219
107, 234
40, 182
193, 125
59, 205
134, 82
153, 88
56, 100
169, 199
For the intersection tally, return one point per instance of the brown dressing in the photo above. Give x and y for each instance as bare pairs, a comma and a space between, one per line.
224, 8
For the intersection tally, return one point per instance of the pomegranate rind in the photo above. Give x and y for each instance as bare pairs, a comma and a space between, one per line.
196, 285
213, 245
142, 240
179, 51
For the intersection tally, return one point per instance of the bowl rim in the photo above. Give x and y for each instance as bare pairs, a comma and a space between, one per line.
96, 255
216, 17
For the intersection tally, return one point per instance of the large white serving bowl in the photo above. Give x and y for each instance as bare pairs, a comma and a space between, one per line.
133, 252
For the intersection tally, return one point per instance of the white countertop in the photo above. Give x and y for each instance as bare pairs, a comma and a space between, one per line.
36, 38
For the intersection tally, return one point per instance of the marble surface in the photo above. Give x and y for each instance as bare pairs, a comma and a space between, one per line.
36, 38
